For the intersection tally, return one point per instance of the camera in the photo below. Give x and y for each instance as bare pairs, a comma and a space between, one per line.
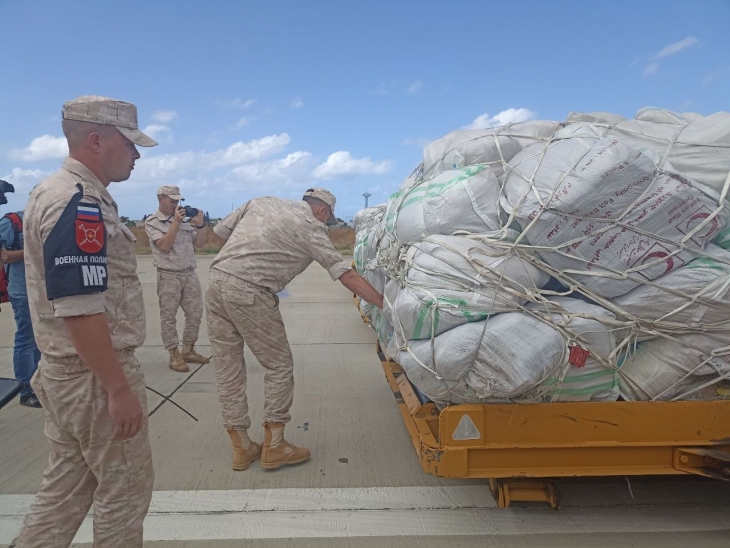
190, 212
6, 187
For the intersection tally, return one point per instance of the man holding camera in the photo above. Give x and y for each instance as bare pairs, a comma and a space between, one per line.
173, 239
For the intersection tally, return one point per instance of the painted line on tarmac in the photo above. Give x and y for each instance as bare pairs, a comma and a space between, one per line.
375, 512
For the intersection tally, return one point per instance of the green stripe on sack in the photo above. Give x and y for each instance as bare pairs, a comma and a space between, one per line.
425, 312
466, 172
723, 238
705, 262
412, 200
463, 305
391, 212
605, 372
584, 377
425, 190
584, 391
359, 254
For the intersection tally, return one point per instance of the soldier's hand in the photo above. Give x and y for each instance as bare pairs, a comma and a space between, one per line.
3, 255
126, 414
179, 216
198, 219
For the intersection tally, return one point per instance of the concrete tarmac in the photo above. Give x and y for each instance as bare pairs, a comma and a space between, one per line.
363, 486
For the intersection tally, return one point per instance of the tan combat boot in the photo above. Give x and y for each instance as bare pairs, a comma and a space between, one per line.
191, 356
242, 458
277, 450
176, 361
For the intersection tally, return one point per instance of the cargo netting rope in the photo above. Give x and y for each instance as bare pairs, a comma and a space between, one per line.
610, 224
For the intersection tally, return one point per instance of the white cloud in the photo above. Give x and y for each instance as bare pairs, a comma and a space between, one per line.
238, 103
342, 164
251, 151
652, 61
155, 130
651, 68
164, 116
719, 74
21, 176
676, 47
209, 189
297, 103
167, 165
511, 115
294, 168
414, 88
170, 165
24, 180
45, 147
246, 120
212, 178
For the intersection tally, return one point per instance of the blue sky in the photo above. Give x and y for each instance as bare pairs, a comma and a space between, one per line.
270, 98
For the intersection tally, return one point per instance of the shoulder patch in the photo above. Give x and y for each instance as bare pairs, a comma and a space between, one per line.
89, 228
74, 253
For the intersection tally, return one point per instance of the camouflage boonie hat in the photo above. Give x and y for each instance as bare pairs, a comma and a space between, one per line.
110, 112
170, 190
327, 197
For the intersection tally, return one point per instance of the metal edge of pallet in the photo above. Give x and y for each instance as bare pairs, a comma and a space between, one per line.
544, 440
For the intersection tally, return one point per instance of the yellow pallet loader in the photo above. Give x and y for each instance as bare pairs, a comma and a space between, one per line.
515, 445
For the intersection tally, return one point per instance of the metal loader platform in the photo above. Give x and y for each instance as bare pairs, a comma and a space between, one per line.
513, 444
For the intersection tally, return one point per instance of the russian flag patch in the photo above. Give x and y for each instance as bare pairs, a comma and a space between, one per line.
89, 228
87, 213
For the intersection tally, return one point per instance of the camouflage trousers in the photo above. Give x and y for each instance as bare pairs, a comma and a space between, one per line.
85, 467
175, 290
238, 312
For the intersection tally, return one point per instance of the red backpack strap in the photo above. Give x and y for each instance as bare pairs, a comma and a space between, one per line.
17, 223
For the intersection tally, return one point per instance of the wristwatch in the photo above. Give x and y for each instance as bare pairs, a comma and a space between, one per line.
201, 226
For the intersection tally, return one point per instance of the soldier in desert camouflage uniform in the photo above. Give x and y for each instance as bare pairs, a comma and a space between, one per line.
173, 243
269, 241
87, 310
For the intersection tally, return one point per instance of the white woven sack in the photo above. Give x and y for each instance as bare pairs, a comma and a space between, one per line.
466, 198
454, 353
452, 280
701, 147
366, 236
381, 325
663, 369
492, 360
584, 325
696, 295
369, 216
483, 146
581, 186
377, 278
421, 313
360, 251
514, 356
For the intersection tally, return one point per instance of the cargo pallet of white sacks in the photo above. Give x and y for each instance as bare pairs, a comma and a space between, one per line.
570, 274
